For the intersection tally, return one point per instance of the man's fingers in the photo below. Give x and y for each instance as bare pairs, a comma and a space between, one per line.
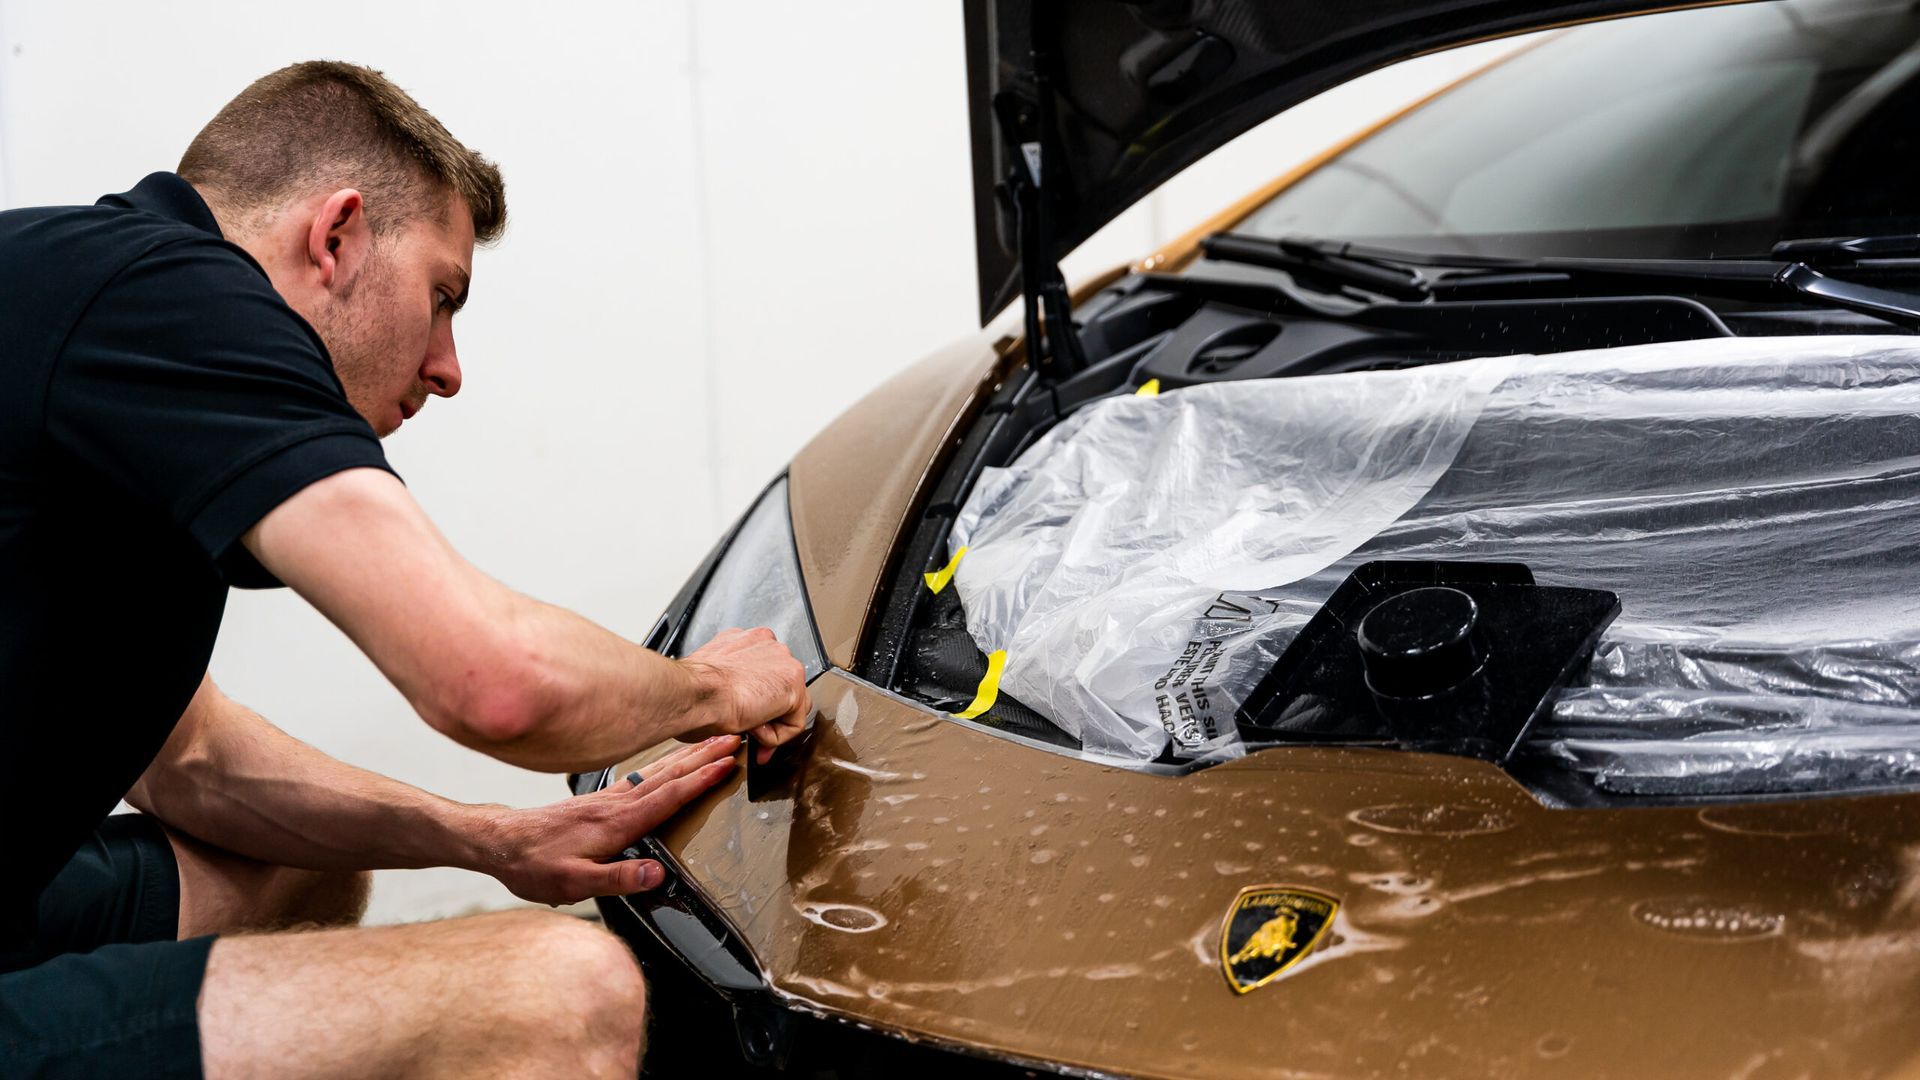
783, 728
662, 802
770, 735
681, 762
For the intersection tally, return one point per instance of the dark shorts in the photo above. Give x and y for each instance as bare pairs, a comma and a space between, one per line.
101, 988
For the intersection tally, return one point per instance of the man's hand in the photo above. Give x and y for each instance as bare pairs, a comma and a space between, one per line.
751, 682
557, 854
230, 779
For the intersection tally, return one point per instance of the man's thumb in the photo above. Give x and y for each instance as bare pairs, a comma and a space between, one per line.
632, 876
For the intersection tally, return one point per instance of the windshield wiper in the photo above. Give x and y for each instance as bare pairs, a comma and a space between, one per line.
1320, 269
1418, 276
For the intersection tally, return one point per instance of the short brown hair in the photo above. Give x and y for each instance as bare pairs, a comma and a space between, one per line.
324, 122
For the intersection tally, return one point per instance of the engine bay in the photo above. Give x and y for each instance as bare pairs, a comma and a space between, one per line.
1678, 704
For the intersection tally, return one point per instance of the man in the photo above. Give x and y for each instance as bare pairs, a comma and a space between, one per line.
193, 375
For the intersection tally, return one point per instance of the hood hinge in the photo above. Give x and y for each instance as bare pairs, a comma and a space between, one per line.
1032, 141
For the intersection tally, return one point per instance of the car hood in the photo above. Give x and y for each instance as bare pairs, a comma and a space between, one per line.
1108, 99
933, 880
959, 888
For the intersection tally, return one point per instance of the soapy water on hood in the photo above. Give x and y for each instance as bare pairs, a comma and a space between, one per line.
1754, 502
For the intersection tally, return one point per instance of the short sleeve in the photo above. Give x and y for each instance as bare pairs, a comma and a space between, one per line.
190, 386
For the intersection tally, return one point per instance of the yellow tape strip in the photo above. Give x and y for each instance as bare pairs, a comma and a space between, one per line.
989, 686
939, 578
1150, 388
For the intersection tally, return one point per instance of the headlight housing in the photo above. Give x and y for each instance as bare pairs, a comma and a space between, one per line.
751, 579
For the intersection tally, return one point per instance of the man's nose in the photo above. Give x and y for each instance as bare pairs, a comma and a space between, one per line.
441, 372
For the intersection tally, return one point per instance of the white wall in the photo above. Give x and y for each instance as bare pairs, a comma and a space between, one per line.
729, 220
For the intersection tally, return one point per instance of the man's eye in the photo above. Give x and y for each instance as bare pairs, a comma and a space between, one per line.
444, 303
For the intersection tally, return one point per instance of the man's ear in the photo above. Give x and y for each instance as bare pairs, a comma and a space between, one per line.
339, 240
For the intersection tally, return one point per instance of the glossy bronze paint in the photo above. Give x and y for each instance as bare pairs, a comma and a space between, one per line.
932, 878
853, 486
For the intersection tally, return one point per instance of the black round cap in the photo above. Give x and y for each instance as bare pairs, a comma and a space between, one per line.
1421, 642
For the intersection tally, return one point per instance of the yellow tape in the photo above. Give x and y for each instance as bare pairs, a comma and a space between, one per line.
1150, 388
989, 686
939, 578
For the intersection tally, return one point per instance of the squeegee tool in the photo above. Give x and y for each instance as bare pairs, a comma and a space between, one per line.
764, 780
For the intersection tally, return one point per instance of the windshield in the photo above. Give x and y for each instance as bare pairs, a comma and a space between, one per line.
1688, 134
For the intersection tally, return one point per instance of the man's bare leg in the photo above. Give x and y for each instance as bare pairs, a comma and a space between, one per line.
512, 994
221, 892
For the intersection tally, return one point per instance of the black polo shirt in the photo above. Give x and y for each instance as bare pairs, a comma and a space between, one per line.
157, 398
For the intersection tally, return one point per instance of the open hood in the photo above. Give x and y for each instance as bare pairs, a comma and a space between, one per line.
1081, 107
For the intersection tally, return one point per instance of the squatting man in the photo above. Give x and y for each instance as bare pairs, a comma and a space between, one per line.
194, 376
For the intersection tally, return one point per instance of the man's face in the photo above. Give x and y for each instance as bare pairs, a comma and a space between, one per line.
391, 329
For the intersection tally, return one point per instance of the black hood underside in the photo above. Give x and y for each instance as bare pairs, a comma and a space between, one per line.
1140, 89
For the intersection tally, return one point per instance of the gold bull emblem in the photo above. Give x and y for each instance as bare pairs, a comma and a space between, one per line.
1269, 929
1273, 941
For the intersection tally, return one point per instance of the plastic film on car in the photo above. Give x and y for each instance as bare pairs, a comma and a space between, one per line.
1752, 501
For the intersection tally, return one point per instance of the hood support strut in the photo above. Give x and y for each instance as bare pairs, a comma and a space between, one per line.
1033, 145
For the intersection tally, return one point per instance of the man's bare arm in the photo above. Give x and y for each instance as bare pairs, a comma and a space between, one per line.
526, 682
228, 777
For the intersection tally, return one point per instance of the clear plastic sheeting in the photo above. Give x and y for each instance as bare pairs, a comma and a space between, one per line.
1105, 560
1755, 502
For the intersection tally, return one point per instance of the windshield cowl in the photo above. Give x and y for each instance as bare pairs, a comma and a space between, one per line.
1342, 267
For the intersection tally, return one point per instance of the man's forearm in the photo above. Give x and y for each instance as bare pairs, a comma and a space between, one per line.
595, 697
230, 778
500, 672
522, 681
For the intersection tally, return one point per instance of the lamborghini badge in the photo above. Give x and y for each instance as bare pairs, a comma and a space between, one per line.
1268, 929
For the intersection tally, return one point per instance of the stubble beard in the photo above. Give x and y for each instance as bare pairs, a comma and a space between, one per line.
354, 329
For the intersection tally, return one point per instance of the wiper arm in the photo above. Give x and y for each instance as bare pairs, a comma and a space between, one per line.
1441, 277
1803, 254
1900, 308
1316, 268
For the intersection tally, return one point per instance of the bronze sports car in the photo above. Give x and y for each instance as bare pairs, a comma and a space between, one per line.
1457, 615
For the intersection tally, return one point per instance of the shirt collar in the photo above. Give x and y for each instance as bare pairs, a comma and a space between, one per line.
166, 194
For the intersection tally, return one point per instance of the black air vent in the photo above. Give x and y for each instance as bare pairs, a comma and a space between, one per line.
1229, 348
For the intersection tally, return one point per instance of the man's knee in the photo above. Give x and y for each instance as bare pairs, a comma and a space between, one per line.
525, 993
605, 1001
590, 955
